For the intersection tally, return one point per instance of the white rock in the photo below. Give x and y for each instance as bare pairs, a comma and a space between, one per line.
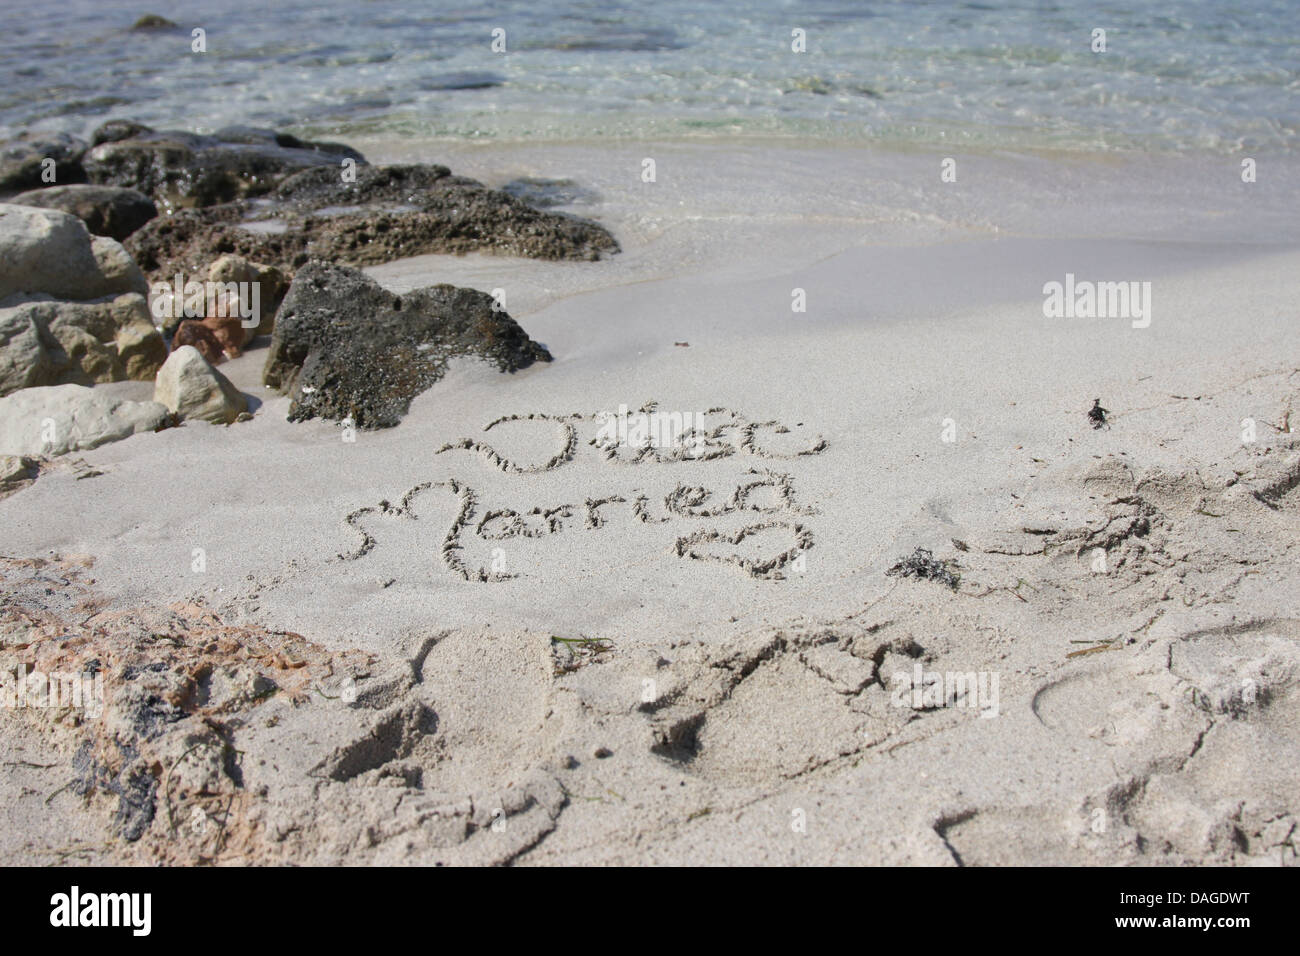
190, 387
45, 250
57, 419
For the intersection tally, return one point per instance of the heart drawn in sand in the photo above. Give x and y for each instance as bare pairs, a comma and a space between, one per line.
710, 545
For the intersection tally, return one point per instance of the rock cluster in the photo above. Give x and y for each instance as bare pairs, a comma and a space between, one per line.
234, 214
72, 306
387, 213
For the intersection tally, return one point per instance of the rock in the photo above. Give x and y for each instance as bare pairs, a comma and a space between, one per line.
115, 130
47, 342
269, 138
195, 334
57, 419
152, 21
192, 388
16, 471
461, 80
344, 347
74, 307
140, 346
238, 302
22, 161
16, 468
106, 210
182, 170
390, 212
226, 331
120, 328
117, 267
51, 252
544, 193
271, 285
234, 287
27, 352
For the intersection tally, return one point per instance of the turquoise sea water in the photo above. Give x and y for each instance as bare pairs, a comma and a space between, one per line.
1200, 75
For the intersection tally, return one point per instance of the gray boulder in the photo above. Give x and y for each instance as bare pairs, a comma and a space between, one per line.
29, 354
51, 252
106, 210
58, 419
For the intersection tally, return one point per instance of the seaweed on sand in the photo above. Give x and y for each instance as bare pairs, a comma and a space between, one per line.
922, 564
578, 652
1097, 414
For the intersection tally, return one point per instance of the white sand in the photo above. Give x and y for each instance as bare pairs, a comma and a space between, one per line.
753, 716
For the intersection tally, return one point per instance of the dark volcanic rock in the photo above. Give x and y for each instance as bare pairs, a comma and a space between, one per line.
344, 347
118, 129
180, 170
461, 80
152, 21
390, 212
314, 189
259, 136
106, 210
21, 159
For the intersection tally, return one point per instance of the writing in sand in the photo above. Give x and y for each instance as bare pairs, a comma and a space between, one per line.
719, 524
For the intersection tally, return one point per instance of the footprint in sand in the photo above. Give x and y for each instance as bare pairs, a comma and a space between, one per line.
783, 707
469, 753
1237, 671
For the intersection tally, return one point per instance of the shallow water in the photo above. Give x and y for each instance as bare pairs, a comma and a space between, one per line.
1188, 74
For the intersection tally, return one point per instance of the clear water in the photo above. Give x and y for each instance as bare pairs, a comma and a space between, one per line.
1199, 75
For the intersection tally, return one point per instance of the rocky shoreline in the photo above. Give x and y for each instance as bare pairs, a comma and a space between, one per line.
131, 258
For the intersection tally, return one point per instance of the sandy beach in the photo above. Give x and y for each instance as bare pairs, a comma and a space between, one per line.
488, 635
564, 435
